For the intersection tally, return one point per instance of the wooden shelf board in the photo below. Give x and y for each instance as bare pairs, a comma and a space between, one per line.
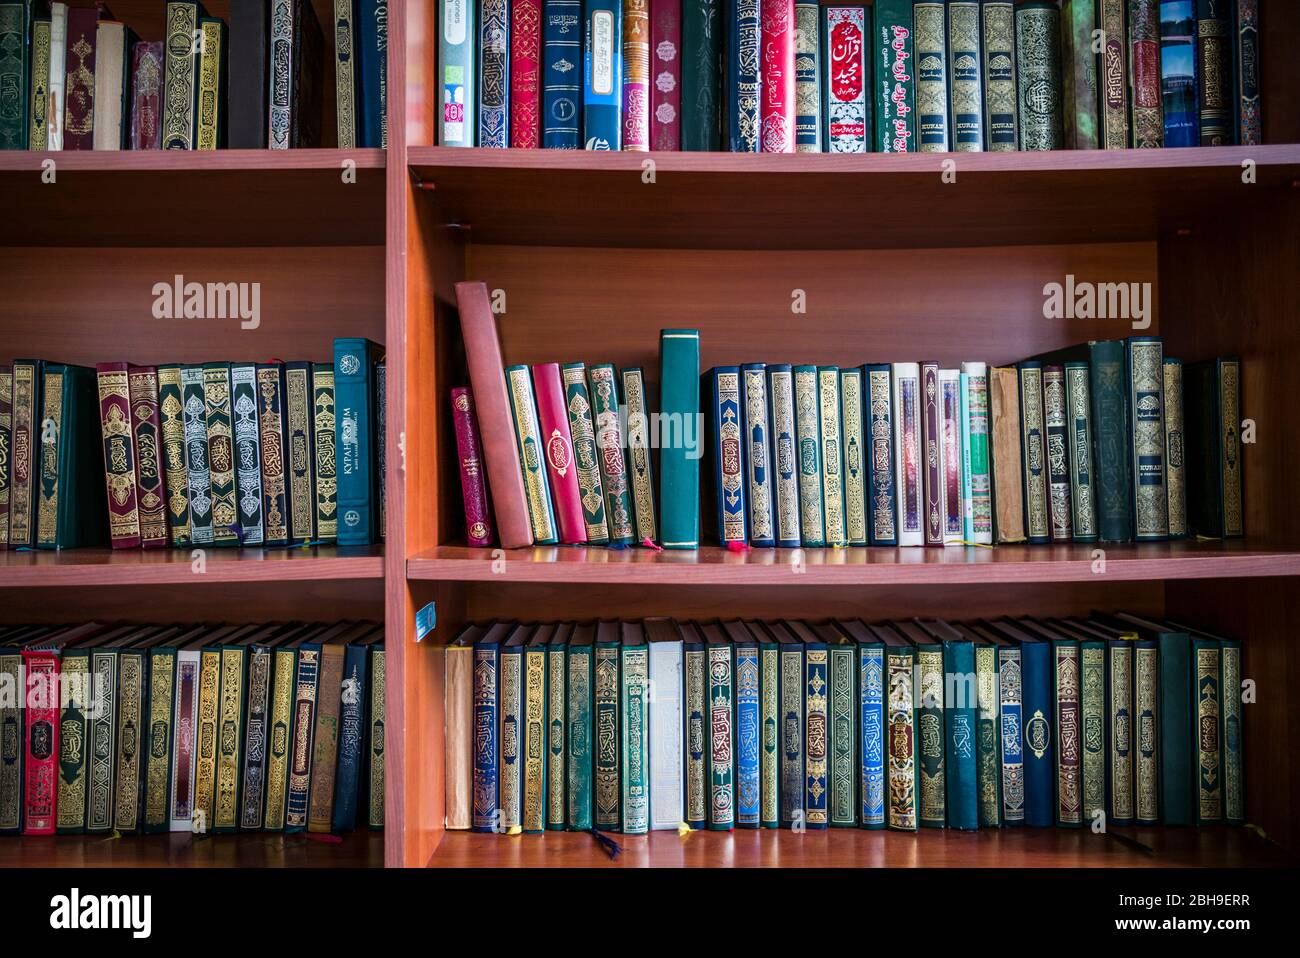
860, 848
801, 201
126, 567
855, 566
172, 161
362, 849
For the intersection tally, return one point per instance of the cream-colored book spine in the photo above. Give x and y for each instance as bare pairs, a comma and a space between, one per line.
459, 688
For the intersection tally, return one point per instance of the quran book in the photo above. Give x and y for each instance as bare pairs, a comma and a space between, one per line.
345, 82
1175, 719
248, 453
602, 90
777, 107
16, 69
458, 715
221, 454
1056, 444
719, 755
790, 723
68, 514
185, 712
998, 36
1110, 443
977, 481
634, 730
250, 47
586, 456
961, 712
742, 76
181, 74
807, 421
156, 770
701, 69
581, 737
1007, 467
1113, 75
758, 452
24, 469
879, 452
679, 469
6, 448
148, 453
868, 718
769, 715
900, 711
854, 456
375, 738
41, 739
908, 454
895, 71
931, 78
930, 745
557, 721
280, 729
487, 658
77, 701
609, 443
206, 734
172, 427
532, 731
1207, 703
816, 731
988, 736
381, 454
1119, 721
273, 445
561, 74
1079, 439
13, 741
841, 715
355, 436
640, 474
1146, 733
324, 452
252, 793
132, 719
301, 466
1038, 75
353, 722
1212, 413
1147, 112
115, 409
1079, 57
1033, 445
1178, 73
306, 687
494, 74
748, 725
1246, 60
784, 456
1214, 72
1067, 711
695, 711
458, 45
605, 717
199, 478
232, 705
294, 110
934, 480
57, 70
112, 85
510, 709
1037, 714
1175, 463
79, 79
965, 70
525, 73
667, 724
1230, 730
372, 74
951, 419
807, 78
1144, 366
728, 454
469, 451
636, 75
210, 116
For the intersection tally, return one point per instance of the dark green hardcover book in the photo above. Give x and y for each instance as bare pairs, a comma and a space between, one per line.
930, 43
356, 440
769, 706
960, 726
24, 466
1212, 411
604, 706
39, 88
1175, 462
634, 728
932, 787
1001, 113
70, 513
533, 731
557, 721
102, 731
221, 453
171, 414
1033, 445
1092, 710
807, 420
1079, 436
1146, 746
1207, 703
324, 460
248, 454
695, 715
966, 76
1145, 383
720, 750
1110, 442
1113, 74
198, 477
15, 74
895, 70
1038, 75
701, 75
988, 734
900, 712
12, 747
842, 779
510, 704
180, 91
132, 715
585, 453
609, 444
679, 408
157, 772
79, 700
1231, 732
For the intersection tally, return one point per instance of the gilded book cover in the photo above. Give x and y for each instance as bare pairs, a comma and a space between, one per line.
1092, 708
930, 736
638, 455
1209, 777
150, 487
248, 454
180, 808
1033, 454
221, 453
40, 85
1069, 786
1112, 75
785, 459
728, 453
720, 753
199, 479
304, 726
77, 702
965, 70
1012, 735
1079, 435
271, 424
1230, 738
808, 433
556, 722
345, 83
585, 452
902, 740
1120, 707
634, 729
1146, 733
6, 448
1147, 444
325, 479
874, 734
22, 489
230, 717
931, 77
769, 690
210, 112
841, 708
158, 769
1038, 75
171, 412
816, 735
12, 746
855, 464
298, 412
533, 738
101, 728
181, 66
758, 471
1001, 115
376, 737
523, 409
325, 744
791, 694
828, 401
609, 443
280, 738
882, 492
1175, 466
605, 756
748, 727
696, 693
988, 770
580, 736
205, 763
1056, 435
119, 455
253, 797
132, 682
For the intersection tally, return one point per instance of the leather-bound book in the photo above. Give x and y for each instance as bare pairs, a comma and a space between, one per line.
249, 59
161, 661
1246, 59
79, 701
375, 738
953, 495
221, 454
758, 453
1112, 75
679, 464
69, 512
966, 80
1178, 60
345, 81
1079, 74
181, 74
878, 425
807, 78
665, 74
579, 681
582, 430
353, 722
492, 402
146, 95
210, 113
1212, 411
533, 732
1145, 386
151, 492
784, 455
300, 458
1008, 494
777, 108
458, 44
297, 75
1148, 112
977, 491
909, 453
273, 447
634, 731
494, 74
609, 442
24, 469
720, 751
557, 720
113, 85
372, 74
636, 75
695, 708
198, 479
1214, 72
748, 744
960, 718
325, 741
1001, 112
1038, 75
40, 740
1079, 437
930, 751
6, 448
252, 777
701, 68
606, 759
469, 459
742, 81
525, 74
561, 74
38, 92
828, 402
324, 453
523, 406
185, 714
816, 731
1033, 452
119, 455
639, 472
846, 81
172, 439
807, 414
79, 115
355, 438
727, 453
1058, 461
280, 730
557, 443
932, 469
1175, 449
841, 711
894, 68
15, 73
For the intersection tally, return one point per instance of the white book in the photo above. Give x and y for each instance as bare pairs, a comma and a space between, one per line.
977, 477
58, 77
111, 67
909, 461
952, 507
666, 730
459, 710
185, 716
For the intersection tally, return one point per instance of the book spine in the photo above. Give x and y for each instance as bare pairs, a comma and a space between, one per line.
609, 441
908, 454
180, 805
979, 528
253, 785
679, 459
555, 738
785, 460
1037, 522
666, 68
634, 784
1079, 437
1145, 368
181, 72
6, 448
807, 79
1176, 793
15, 57
1092, 710
791, 694
998, 36
1146, 676
1148, 115
602, 89
931, 77
494, 74
742, 86
556, 445
22, 490
230, 746
172, 430
458, 709
301, 475
988, 735
758, 471
115, 410
148, 449
1250, 125
807, 415
960, 738
930, 737
728, 455
605, 759
304, 730
846, 103
269, 403
132, 696
457, 49
1214, 72
79, 93
816, 736
696, 685
486, 817
345, 80
355, 443
510, 706
284, 26
220, 453
1109, 408
640, 478
902, 741
533, 738
842, 798
75, 702
561, 86
207, 731
1230, 737
1119, 694
352, 728
478, 518
667, 744
58, 74
101, 743
381, 452
950, 437
1058, 465
210, 109
1038, 76
855, 466
375, 738
1079, 73
13, 744
55, 439
871, 736
38, 94
965, 69
748, 737
581, 739
324, 452
636, 75
1011, 706
1229, 388
525, 74
1039, 754
720, 764
1069, 745
934, 482
1178, 68
1113, 75
1209, 777
769, 704
894, 77
776, 43
280, 736
41, 758
158, 740
372, 73
701, 69
882, 499
1175, 465
248, 454
585, 455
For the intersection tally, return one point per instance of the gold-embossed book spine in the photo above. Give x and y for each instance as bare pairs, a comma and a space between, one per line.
323, 444
279, 741
157, 769
210, 115
376, 741
181, 62
205, 765
230, 739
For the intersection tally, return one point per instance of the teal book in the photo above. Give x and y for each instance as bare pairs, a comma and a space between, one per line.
16, 64
720, 751
679, 448
869, 720
609, 446
807, 421
556, 724
196, 455
816, 679
960, 724
695, 715
71, 510
634, 727
769, 699
510, 707
1145, 382
894, 76
790, 703
832, 446
604, 707
930, 744
580, 661
356, 440
841, 711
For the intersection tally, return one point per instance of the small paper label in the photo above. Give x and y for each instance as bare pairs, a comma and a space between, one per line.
425, 621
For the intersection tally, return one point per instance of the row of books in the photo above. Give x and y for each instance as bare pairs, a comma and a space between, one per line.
897, 76
131, 728
634, 726
75, 78
221, 454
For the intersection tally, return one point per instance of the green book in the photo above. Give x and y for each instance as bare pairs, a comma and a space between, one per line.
696, 687
720, 750
523, 408
701, 70
1145, 383
604, 707
679, 430
15, 72
807, 423
221, 453
609, 445
894, 69
39, 92
1079, 73
841, 711
931, 787
71, 512
640, 478
161, 661
172, 417
634, 726
1079, 436
769, 697
1231, 732
557, 721
585, 453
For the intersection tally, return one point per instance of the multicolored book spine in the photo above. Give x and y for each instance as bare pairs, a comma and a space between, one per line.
816, 734
728, 455
900, 663
720, 767
609, 442
894, 82
561, 464
741, 85
696, 687
1230, 737
41, 741
636, 75
1145, 369
1033, 452
1178, 68
1079, 57
1057, 438
494, 74
785, 455
1214, 72
807, 416
758, 471
748, 731
1207, 702
791, 728
634, 728
931, 77
666, 75
932, 470
842, 728
585, 454
832, 444
1146, 679
977, 481
457, 58
602, 91
1175, 462
998, 35
908, 452
119, 455
581, 738
1092, 711
966, 69
701, 66
950, 431
871, 733
608, 814
1119, 709
638, 455
523, 410
1246, 59
854, 453
679, 461
485, 817
846, 86
988, 735
1038, 75
1069, 743
525, 74
807, 79
561, 76
777, 73
1147, 111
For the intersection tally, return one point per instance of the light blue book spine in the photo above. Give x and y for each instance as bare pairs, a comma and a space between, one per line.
753, 377
785, 455
747, 736
494, 74
561, 74
602, 88
871, 696
456, 55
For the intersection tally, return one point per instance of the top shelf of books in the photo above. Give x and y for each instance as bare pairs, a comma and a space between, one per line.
843, 201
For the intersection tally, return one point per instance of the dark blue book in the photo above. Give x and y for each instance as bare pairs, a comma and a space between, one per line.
758, 454
372, 74
728, 453
870, 712
790, 724
483, 790
602, 87
741, 86
494, 74
1178, 72
510, 737
354, 710
960, 713
878, 414
1037, 709
816, 671
355, 435
748, 726
562, 74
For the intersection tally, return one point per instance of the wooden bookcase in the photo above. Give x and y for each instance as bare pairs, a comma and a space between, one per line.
593, 261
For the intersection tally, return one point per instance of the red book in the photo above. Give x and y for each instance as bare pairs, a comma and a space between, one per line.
562, 470
665, 74
42, 741
118, 434
469, 452
146, 95
636, 75
777, 110
487, 379
6, 447
151, 494
931, 442
79, 87
526, 74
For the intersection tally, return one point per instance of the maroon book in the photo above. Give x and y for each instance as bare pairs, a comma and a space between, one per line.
79, 88
146, 95
150, 491
665, 74
526, 74
6, 448
931, 443
119, 455
777, 109
469, 455
562, 470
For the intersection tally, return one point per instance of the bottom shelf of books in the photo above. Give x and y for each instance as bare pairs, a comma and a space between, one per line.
362, 849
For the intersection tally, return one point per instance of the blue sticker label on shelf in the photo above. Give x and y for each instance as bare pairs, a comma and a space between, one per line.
425, 620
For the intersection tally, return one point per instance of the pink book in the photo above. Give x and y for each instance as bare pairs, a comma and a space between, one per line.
665, 74
557, 441
777, 110
469, 455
